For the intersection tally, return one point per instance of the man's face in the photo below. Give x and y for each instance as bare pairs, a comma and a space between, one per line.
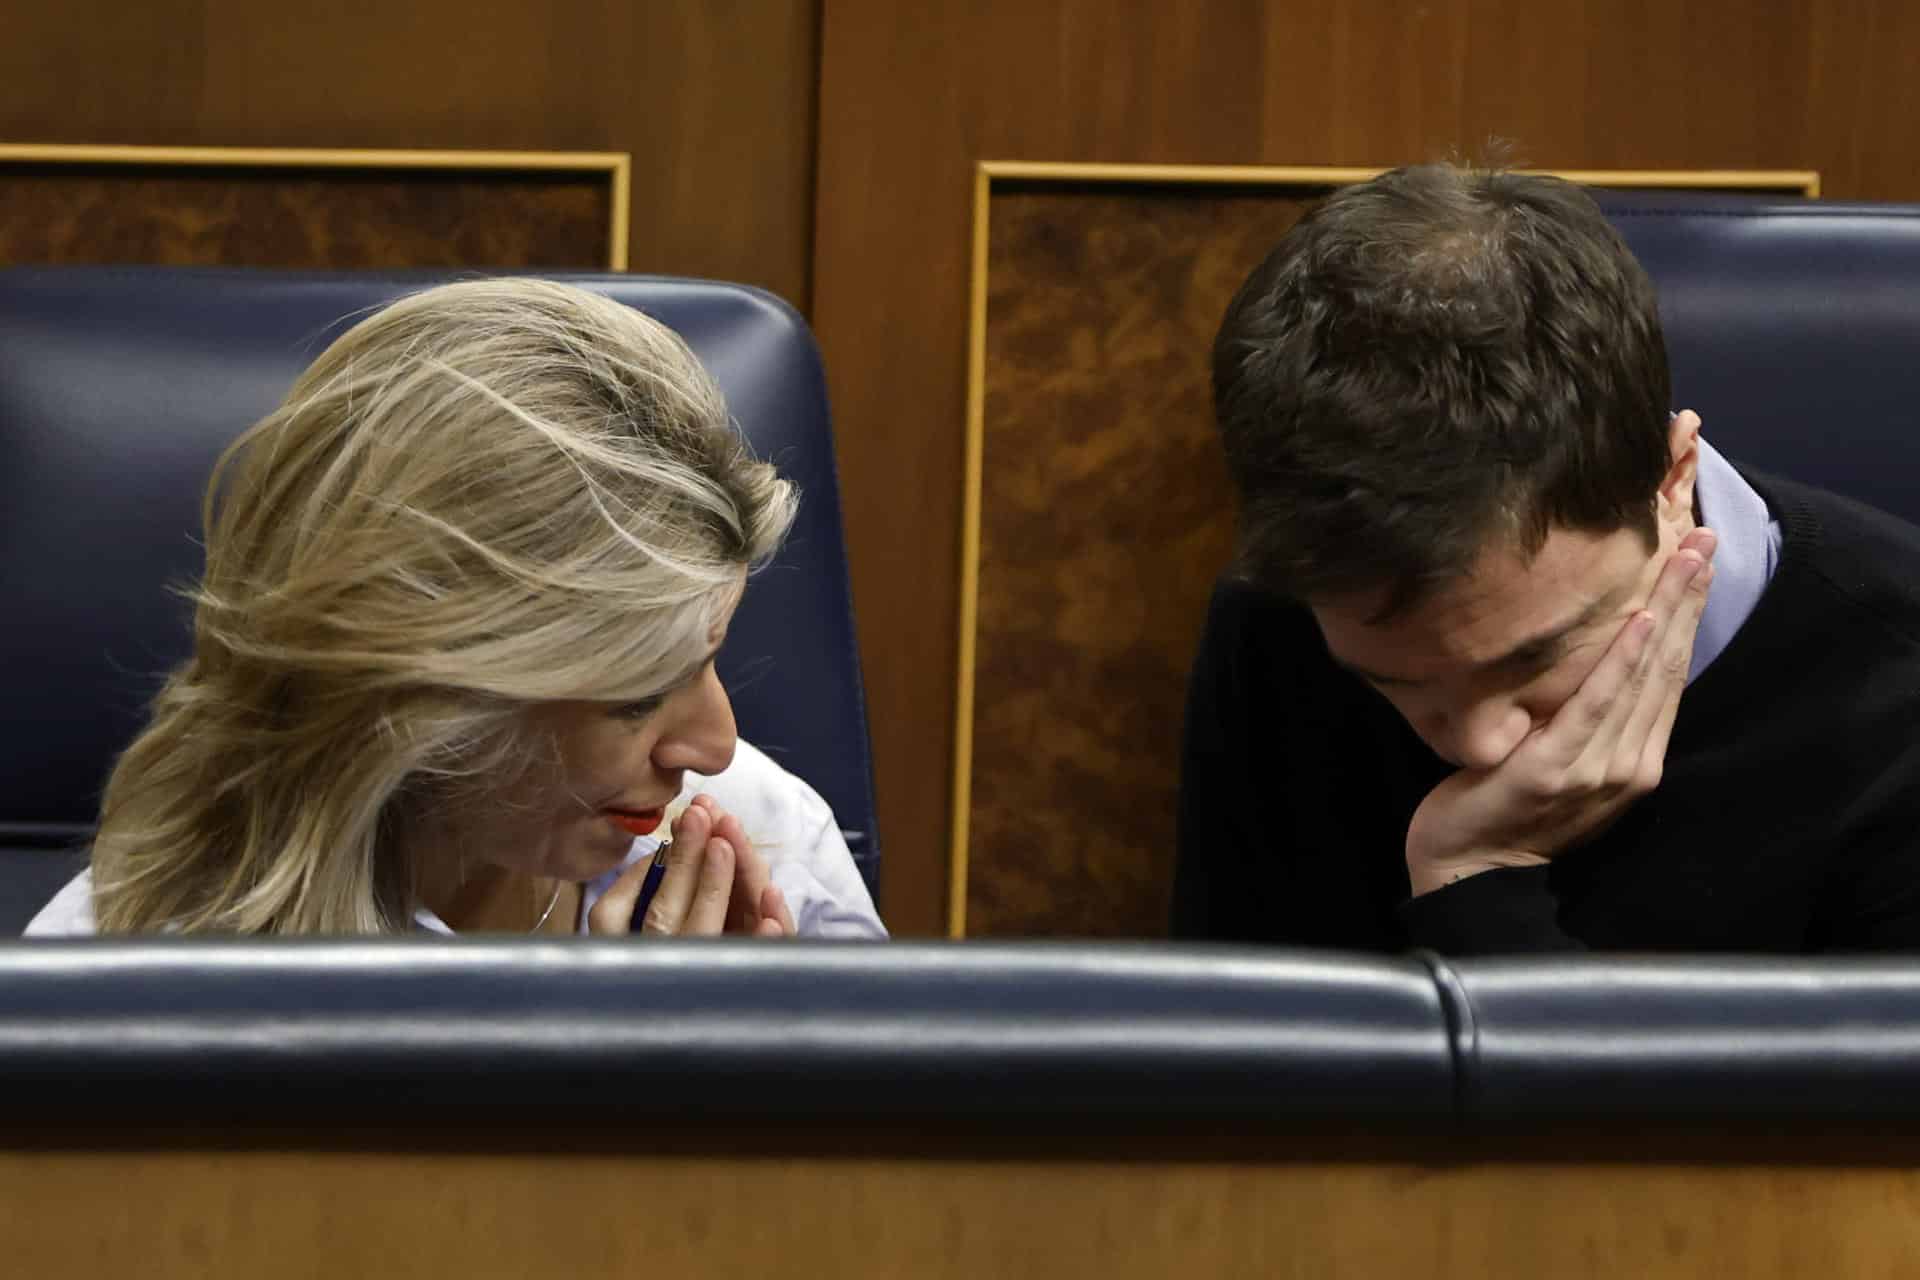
1480, 664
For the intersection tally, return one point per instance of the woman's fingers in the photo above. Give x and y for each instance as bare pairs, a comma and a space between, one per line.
715, 881
685, 858
773, 907
751, 875
613, 912
707, 913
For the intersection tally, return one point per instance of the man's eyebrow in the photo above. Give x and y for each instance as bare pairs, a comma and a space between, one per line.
1536, 648
1549, 643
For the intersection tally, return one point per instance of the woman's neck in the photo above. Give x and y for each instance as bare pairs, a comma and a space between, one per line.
483, 897
495, 900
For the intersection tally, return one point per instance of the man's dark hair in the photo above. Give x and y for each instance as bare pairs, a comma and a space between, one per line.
1428, 362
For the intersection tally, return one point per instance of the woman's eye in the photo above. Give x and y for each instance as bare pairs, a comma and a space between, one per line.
636, 710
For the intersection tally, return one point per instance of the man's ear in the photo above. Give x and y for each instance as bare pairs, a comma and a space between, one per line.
1683, 465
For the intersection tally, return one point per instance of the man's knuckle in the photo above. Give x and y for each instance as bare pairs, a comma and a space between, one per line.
1543, 787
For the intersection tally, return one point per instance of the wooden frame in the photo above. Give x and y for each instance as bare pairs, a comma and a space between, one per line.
1805, 183
616, 165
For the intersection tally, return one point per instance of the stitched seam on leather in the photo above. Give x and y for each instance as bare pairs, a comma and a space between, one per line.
1463, 1033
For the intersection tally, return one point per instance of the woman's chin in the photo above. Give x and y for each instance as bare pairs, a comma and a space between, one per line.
591, 858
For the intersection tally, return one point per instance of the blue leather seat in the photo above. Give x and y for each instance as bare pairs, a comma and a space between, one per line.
118, 387
1793, 328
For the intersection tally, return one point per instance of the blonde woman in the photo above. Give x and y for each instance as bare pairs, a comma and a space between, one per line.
453, 654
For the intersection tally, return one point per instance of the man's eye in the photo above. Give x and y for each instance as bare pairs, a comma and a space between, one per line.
637, 710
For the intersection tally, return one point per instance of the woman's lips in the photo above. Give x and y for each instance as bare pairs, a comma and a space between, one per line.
639, 822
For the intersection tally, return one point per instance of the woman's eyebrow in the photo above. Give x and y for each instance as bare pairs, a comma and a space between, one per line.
688, 677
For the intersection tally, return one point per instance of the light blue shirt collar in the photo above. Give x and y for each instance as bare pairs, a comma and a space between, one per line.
1743, 562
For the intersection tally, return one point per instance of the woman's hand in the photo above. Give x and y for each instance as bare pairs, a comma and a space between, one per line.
714, 883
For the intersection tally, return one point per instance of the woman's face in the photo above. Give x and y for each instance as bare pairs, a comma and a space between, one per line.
610, 763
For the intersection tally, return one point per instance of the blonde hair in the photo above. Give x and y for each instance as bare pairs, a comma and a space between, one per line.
486, 496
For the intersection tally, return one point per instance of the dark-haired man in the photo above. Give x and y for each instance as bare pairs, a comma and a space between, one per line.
1439, 701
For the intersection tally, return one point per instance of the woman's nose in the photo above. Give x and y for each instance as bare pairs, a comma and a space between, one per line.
702, 736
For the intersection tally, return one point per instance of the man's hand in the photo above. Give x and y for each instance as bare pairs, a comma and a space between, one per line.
1601, 751
715, 882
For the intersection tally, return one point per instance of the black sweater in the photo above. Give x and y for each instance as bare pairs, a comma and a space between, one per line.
1787, 820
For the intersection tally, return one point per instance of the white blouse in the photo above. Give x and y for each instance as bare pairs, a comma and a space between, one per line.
788, 822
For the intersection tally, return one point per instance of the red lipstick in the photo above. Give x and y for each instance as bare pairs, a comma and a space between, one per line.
639, 822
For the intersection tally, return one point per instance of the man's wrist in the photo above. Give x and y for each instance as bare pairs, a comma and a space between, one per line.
1426, 875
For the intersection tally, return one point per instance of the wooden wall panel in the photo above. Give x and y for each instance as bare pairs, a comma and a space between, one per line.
913, 96
714, 99
1130, 1207
1106, 513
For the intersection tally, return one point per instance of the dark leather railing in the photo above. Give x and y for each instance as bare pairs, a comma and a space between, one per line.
1730, 1039
183, 1030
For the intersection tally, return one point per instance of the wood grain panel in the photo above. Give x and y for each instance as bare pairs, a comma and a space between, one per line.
343, 220
912, 97
714, 99
292, 1214
1106, 514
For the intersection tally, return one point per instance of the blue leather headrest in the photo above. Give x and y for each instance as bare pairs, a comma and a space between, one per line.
118, 387
1793, 327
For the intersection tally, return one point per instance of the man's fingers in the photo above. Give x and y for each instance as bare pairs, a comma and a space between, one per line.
1595, 711
1616, 705
1645, 739
1686, 582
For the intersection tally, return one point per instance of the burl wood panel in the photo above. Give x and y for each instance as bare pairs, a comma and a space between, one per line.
318, 218
1105, 517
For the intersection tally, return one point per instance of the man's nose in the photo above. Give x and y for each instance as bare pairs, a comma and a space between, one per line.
1480, 736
